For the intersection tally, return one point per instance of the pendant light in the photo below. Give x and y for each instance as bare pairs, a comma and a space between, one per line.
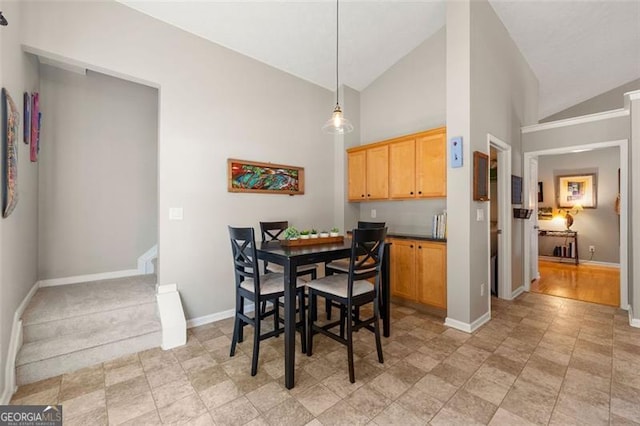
337, 124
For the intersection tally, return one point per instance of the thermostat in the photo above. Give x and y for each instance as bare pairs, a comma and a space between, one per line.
456, 152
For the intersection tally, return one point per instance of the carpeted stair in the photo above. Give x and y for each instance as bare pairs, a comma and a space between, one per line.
69, 327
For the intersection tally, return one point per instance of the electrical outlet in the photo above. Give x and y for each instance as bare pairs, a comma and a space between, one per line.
373, 213
592, 249
482, 289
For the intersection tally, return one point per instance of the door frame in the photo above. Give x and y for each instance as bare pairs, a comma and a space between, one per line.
622, 144
504, 218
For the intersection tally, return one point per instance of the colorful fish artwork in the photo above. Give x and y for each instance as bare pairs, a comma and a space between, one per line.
10, 128
26, 128
246, 176
35, 127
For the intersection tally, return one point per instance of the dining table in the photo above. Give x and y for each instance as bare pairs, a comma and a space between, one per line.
290, 257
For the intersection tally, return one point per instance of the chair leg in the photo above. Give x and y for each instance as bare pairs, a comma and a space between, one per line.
263, 308
303, 321
237, 327
352, 375
276, 315
313, 298
327, 308
376, 328
256, 345
343, 319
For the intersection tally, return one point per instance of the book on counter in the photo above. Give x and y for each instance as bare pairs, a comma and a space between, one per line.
439, 226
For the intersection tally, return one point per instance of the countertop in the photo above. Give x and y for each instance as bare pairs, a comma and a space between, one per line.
412, 233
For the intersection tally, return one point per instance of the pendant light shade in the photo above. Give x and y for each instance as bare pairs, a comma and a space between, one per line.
337, 124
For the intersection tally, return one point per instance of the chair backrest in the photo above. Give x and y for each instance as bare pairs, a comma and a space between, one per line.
367, 250
271, 230
245, 256
370, 225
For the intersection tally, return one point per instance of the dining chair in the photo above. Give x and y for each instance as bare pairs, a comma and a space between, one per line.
341, 266
257, 288
271, 231
351, 291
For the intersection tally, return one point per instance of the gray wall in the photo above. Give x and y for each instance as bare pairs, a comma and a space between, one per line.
407, 98
613, 99
634, 210
504, 97
18, 232
214, 104
98, 203
599, 226
494, 92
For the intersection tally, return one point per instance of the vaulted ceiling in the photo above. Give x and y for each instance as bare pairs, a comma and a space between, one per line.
577, 49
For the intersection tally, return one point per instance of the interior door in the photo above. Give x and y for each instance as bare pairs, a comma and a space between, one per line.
532, 203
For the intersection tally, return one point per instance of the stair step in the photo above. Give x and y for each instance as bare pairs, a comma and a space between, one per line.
89, 322
66, 363
74, 300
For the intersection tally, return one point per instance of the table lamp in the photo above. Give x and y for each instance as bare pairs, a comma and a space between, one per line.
568, 215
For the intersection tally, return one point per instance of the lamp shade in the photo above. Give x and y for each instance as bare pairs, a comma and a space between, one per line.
337, 124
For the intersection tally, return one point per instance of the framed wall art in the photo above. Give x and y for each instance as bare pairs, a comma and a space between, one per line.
10, 128
516, 189
480, 176
577, 189
268, 178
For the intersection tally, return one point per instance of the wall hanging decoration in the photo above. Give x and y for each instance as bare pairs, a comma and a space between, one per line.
36, 117
26, 118
516, 189
250, 176
577, 189
10, 126
540, 194
480, 176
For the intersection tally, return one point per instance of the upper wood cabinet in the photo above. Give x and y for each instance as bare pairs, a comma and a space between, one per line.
431, 165
412, 166
369, 173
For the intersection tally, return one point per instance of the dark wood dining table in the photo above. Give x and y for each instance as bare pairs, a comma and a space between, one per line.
292, 257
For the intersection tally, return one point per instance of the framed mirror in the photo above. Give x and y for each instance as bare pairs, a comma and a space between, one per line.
480, 176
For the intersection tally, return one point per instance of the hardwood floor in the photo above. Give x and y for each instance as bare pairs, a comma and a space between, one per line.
589, 283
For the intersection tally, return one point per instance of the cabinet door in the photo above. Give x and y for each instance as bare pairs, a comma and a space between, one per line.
402, 169
431, 166
431, 273
357, 175
378, 172
403, 261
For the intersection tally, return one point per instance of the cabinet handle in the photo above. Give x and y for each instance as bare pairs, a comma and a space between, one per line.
411, 246
363, 195
420, 247
419, 192
368, 195
411, 193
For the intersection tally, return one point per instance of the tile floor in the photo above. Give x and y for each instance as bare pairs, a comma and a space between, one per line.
540, 360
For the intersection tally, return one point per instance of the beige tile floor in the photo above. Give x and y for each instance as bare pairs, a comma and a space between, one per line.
541, 360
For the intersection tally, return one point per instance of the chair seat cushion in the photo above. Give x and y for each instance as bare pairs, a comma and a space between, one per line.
337, 285
274, 267
269, 283
342, 265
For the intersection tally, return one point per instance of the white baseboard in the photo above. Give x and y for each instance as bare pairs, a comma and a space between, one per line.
468, 328
15, 343
90, 277
580, 261
207, 319
633, 322
517, 292
145, 262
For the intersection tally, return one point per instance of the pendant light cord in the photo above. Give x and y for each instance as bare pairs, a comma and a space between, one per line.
337, 48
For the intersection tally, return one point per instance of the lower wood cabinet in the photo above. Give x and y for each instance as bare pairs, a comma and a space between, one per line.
418, 271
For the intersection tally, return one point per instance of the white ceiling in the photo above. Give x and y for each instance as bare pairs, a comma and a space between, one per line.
576, 49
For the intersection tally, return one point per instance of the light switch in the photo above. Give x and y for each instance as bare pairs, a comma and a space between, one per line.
175, 213
373, 213
479, 215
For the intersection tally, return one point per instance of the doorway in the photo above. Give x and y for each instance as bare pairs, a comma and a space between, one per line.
562, 272
499, 225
